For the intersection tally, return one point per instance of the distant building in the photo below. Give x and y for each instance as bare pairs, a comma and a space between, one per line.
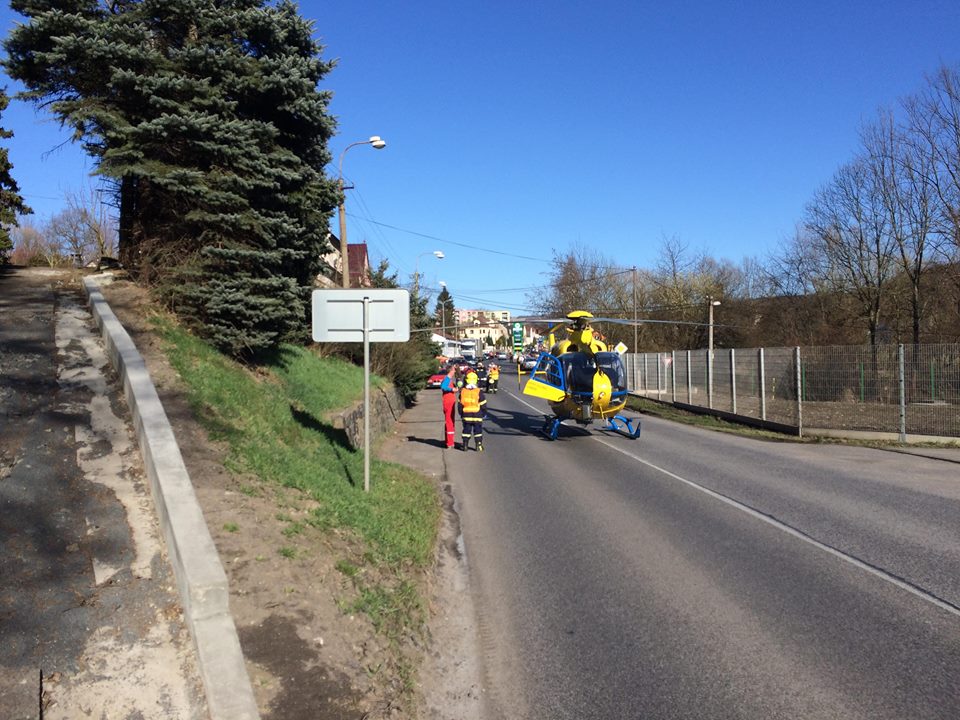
482, 325
448, 347
466, 317
331, 274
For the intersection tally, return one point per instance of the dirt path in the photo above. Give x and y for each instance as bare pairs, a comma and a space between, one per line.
90, 621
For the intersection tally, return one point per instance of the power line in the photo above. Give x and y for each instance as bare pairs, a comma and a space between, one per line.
458, 244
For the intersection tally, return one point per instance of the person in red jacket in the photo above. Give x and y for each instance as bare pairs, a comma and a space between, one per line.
448, 392
472, 410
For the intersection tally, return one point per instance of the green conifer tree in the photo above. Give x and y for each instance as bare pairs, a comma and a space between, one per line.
11, 202
208, 117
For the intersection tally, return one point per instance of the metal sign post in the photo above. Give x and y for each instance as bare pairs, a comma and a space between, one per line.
362, 315
366, 393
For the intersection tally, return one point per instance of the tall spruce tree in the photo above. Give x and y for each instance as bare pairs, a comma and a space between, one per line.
11, 202
208, 117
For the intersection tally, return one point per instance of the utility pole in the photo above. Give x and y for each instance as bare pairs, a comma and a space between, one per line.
711, 303
377, 143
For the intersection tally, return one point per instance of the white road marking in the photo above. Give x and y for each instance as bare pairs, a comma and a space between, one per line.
773, 522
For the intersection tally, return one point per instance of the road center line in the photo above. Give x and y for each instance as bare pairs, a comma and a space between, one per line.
783, 527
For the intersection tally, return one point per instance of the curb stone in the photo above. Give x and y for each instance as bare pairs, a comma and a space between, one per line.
201, 580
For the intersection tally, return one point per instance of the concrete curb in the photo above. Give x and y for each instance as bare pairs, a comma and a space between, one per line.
201, 579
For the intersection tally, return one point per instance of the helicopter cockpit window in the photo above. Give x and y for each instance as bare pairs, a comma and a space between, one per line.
580, 369
612, 364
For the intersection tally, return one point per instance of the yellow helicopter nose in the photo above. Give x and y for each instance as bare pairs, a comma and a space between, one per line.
602, 387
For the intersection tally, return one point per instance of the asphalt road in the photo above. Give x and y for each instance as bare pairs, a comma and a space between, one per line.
90, 622
689, 574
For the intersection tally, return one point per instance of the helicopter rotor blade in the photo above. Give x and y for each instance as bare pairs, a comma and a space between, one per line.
642, 321
534, 320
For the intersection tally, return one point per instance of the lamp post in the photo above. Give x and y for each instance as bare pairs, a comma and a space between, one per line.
443, 319
711, 305
378, 143
416, 270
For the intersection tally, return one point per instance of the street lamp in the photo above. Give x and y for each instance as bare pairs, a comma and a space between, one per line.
438, 254
378, 143
711, 305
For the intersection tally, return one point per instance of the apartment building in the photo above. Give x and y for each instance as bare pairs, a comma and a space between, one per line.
476, 324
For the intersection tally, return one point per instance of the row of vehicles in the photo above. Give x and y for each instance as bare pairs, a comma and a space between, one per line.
462, 364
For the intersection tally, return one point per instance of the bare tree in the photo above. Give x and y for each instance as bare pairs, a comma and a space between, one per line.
68, 232
29, 245
796, 267
581, 279
849, 226
934, 122
934, 131
101, 226
83, 231
902, 174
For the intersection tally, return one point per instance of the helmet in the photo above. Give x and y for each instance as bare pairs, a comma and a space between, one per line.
471, 378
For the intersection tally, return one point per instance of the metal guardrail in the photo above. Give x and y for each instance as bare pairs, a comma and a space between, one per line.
901, 389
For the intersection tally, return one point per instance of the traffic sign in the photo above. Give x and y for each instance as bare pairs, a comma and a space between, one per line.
338, 315
362, 315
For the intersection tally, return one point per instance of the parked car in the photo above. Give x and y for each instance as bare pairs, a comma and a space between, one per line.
434, 380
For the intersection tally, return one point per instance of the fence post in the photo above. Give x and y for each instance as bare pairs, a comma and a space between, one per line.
673, 374
796, 363
660, 379
763, 387
903, 394
710, 379
689, 382
646, 377
733, 381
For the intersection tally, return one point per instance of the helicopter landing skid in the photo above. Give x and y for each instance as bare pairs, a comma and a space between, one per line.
551, 426
625, 426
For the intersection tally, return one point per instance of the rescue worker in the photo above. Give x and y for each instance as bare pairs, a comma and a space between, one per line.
448, 392
493, 378
472, 411
481, 375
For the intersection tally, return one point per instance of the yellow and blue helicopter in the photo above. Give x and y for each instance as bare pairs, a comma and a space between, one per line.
581, 379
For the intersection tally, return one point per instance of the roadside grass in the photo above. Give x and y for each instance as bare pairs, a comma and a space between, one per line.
708, 422
667, 411
273, 423
272, 420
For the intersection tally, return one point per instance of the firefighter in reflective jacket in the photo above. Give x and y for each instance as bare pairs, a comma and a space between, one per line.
473, 406
493, 378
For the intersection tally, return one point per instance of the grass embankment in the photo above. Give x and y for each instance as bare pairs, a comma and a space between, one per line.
708, 422
711, 422
273, 424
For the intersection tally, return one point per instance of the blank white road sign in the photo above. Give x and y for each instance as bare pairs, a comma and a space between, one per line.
338, 315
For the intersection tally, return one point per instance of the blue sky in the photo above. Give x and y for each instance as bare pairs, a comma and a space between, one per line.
527, 127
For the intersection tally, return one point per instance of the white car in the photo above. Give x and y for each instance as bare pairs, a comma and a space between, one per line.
528, 362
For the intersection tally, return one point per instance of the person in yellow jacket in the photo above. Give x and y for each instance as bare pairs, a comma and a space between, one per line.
493, 378
473, 408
